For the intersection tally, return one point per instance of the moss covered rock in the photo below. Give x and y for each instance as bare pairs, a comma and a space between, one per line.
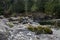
10, 24
31, 28
40, 30
47, 30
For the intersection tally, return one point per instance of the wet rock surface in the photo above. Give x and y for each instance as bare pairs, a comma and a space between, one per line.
20, 32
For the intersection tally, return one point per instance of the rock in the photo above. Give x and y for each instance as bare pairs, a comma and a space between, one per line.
3, 36
14, 18
3, 28
1, 17
35, 24
4, 20
10, 24
4, 33
15, 22
26, 20
20, 31
40, 30
29, 34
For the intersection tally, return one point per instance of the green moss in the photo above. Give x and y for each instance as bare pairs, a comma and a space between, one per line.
40, 30
31, 28
10, 24
47, 30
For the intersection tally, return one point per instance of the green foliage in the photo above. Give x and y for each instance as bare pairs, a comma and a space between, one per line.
1, 7
34, 8
49, 6
30, 4
40, 30
18, 6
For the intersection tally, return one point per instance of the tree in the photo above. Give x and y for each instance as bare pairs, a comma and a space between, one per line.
49, 6
34, 6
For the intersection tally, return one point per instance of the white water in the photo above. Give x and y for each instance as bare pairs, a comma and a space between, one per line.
19, 32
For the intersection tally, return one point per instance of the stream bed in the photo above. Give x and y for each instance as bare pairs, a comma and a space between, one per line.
20, 32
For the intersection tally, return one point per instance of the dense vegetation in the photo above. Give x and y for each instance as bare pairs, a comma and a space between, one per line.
50, 7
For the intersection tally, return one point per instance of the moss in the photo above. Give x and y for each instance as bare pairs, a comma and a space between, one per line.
40, 30
35, 29
47, 30
31, 28
10, 24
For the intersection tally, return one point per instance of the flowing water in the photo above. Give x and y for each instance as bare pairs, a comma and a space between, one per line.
20, 32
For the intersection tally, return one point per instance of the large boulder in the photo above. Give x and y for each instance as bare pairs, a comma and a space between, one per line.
1, 17
14, 18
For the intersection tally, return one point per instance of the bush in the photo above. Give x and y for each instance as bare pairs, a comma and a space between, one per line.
40, 30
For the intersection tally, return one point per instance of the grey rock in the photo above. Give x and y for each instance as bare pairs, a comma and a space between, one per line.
1, 17
4, 35
14, 18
